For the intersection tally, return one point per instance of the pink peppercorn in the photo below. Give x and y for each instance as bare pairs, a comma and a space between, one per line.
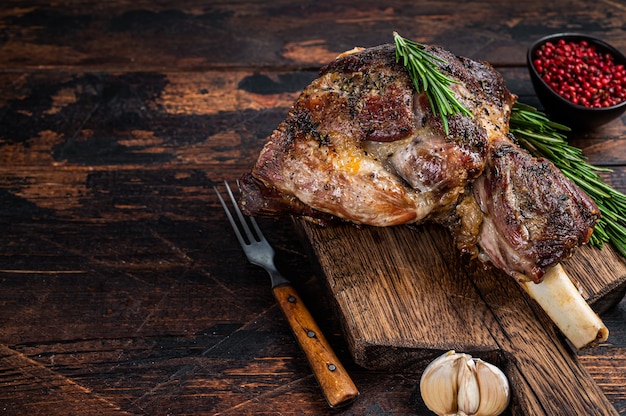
581, 74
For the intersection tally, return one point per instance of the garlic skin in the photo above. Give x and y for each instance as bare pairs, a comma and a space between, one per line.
436, 380
468, 398
455, 384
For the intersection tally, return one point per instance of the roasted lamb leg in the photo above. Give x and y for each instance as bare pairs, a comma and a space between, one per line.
361, 145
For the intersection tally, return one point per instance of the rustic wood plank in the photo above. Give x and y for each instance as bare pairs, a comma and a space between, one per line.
194, 34
606, 363
120, 291
29, 387
404, 320
606, 366
600, 276
141, 119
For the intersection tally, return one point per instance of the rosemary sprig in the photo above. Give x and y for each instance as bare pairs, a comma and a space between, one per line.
424, 71
545, 138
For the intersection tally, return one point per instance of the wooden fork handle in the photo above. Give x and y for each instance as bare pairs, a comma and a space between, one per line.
336, 384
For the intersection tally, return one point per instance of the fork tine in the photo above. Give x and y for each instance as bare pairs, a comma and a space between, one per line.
230, 217
242, 219
259, 234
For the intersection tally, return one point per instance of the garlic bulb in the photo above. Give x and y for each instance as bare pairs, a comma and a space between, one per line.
457, 384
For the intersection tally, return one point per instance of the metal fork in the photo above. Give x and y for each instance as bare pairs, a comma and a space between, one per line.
337, 386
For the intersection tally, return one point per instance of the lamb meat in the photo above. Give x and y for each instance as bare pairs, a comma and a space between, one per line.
360, 144
533, 217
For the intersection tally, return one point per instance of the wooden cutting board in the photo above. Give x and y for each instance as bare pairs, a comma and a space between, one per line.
405, 296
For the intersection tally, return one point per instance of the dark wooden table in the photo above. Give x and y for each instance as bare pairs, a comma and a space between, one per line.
122, 288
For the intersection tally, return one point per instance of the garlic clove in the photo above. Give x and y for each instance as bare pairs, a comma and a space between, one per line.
469, 395
456, 384
494, 389
438, 391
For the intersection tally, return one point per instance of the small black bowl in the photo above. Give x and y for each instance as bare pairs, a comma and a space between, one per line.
563, 110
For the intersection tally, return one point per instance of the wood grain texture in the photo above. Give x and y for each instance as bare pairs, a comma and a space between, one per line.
20, 373
122, 289
282, 34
